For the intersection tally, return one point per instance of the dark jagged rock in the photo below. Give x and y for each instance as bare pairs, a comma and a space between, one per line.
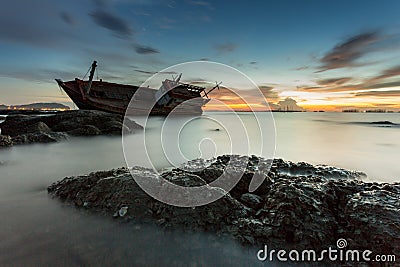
291, 211
55, 127
51, 137
378, 213
85, 130
5, 141
39, 127
109, 191
252, 200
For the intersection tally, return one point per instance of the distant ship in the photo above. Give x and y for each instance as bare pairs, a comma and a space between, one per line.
115, 98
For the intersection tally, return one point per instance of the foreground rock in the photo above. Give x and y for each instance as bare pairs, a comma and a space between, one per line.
23, 129
287, 211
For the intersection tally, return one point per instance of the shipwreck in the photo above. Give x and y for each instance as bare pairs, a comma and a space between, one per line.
173, 95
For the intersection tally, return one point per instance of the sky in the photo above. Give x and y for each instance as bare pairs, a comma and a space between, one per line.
310, 54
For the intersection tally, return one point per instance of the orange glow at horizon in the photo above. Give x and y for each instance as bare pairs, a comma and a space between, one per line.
236, 107
326, 99
339, 104
330, 105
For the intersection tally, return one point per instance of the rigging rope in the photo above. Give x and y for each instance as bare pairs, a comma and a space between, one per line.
86, 73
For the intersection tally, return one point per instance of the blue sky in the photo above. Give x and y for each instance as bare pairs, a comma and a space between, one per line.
324, 54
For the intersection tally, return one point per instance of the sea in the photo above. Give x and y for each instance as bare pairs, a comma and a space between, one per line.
37, 230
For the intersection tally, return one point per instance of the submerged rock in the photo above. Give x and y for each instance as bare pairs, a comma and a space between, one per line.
383, 122
301, 212
24, 129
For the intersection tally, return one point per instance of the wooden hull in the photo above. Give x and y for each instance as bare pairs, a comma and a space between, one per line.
115, 98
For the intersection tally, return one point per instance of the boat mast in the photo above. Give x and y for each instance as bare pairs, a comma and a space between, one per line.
94, 65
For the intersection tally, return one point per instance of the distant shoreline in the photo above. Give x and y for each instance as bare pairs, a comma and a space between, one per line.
53, 111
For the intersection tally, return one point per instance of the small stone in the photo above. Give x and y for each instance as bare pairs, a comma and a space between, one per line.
122, 211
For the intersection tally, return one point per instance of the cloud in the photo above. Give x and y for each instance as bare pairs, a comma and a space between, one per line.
227, 47
140, 49
346, 53
341, 84
334, 81
381, 85
388, 93
155, 72
252, 95
364, 86
111, 22
388, 73
240, 99
269, 92
302, 68
67, 18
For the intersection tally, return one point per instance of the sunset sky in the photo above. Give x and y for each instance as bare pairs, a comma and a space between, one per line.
324, 55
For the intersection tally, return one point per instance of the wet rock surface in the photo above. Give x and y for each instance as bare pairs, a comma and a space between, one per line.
5, 141
288, 210
24, 129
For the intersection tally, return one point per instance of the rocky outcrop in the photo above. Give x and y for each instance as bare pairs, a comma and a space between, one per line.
23, 129
5, 141
287, 211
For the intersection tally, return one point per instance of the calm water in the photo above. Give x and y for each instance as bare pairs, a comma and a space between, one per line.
37, 230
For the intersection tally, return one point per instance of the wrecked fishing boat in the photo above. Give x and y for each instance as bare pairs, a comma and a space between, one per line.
173, 95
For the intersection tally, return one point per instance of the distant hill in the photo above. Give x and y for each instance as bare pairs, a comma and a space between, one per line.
36, 106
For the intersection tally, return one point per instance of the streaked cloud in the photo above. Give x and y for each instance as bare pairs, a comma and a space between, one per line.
347, 88
388, 73
112, 22
155, 72
346, 53
334, 81
381, 85
343, 84
67, 18
142, 49
389, 93
260, 99
269, 93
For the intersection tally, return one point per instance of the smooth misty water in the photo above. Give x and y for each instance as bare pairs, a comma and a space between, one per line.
38, 230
